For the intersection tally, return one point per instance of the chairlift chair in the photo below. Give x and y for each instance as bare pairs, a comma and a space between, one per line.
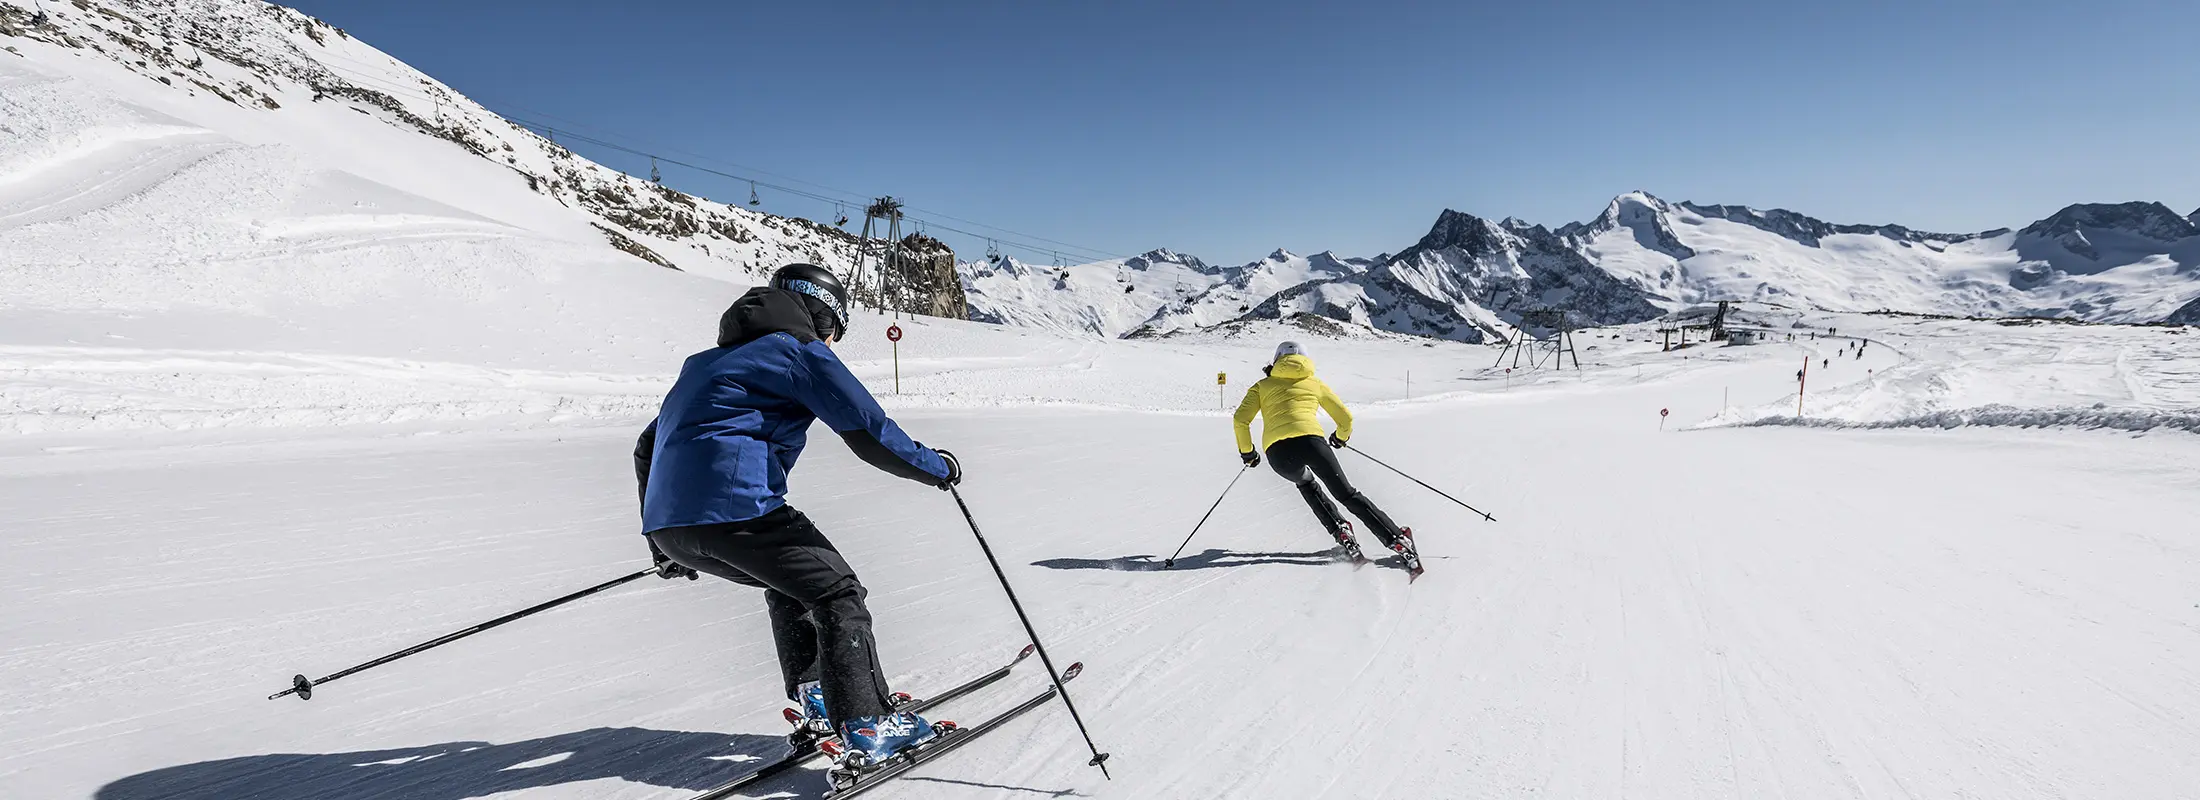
753, 199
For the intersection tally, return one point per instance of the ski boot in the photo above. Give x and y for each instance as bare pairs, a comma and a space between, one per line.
811, 725
1343, 534
1403, 546
867, 743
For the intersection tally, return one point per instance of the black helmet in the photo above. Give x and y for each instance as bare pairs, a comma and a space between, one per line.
816, 282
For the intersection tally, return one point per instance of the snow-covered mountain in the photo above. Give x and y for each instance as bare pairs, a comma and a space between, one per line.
1470, 278
2132, 262
144, 137
1244, 287
1108, 298
156, 148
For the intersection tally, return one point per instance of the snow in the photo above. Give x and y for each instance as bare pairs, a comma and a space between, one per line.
2129, 277
271, 406
1934, 373
1877, 612
1106, 298
1247, 286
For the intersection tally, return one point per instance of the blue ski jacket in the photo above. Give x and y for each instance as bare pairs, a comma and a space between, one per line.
737, 419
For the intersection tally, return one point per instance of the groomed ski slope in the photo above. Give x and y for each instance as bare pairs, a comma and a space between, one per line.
1744, 612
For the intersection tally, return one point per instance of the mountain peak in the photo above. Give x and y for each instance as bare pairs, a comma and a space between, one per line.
2149, 219
1163, 255
1643, 214
1281, 255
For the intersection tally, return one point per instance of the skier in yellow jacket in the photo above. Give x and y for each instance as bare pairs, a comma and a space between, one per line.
1292, 435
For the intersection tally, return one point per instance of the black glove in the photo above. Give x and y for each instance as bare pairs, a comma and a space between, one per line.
668, 568
1335, 443
954, 469
1251, 459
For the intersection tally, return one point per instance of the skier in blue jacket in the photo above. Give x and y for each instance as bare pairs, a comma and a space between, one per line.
713, 472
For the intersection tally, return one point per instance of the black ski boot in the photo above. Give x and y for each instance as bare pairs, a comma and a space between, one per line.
1343, 534
1403, 546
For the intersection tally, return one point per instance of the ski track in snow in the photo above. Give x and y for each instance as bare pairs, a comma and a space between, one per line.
103, 174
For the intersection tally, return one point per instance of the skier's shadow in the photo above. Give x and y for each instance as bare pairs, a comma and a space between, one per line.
685, 760
1212, 558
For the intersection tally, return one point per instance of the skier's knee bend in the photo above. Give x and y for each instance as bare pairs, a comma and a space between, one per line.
841, 606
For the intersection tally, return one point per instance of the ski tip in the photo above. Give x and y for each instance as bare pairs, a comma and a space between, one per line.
1073, 671
1026, 652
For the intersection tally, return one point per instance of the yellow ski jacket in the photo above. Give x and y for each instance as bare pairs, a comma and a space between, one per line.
1285, 400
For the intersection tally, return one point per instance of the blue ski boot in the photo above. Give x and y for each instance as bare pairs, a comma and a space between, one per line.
808, 718
811, 725
866, 743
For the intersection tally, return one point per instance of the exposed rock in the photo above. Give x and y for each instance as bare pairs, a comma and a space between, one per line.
926, 267
633, 248
2189, 315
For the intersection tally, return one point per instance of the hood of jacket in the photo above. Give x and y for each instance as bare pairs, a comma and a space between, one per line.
1292, 368
764, 311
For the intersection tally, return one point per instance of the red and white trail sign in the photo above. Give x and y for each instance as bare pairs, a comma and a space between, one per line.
893, 334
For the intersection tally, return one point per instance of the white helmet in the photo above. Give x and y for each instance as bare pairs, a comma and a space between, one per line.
1287, 349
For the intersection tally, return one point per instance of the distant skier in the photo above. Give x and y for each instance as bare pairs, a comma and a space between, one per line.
713, 471
1291, 433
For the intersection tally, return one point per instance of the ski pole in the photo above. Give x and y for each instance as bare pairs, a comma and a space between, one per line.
304, 688
1424, 484
1171, 562
1099, 759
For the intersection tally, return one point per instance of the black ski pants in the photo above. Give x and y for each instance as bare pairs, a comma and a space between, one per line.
1305, 459
818, 620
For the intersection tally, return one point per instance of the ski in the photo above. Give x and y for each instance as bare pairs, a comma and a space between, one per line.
947, 742
802, 756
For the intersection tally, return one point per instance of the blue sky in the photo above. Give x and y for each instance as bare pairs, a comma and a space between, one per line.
1227, 130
